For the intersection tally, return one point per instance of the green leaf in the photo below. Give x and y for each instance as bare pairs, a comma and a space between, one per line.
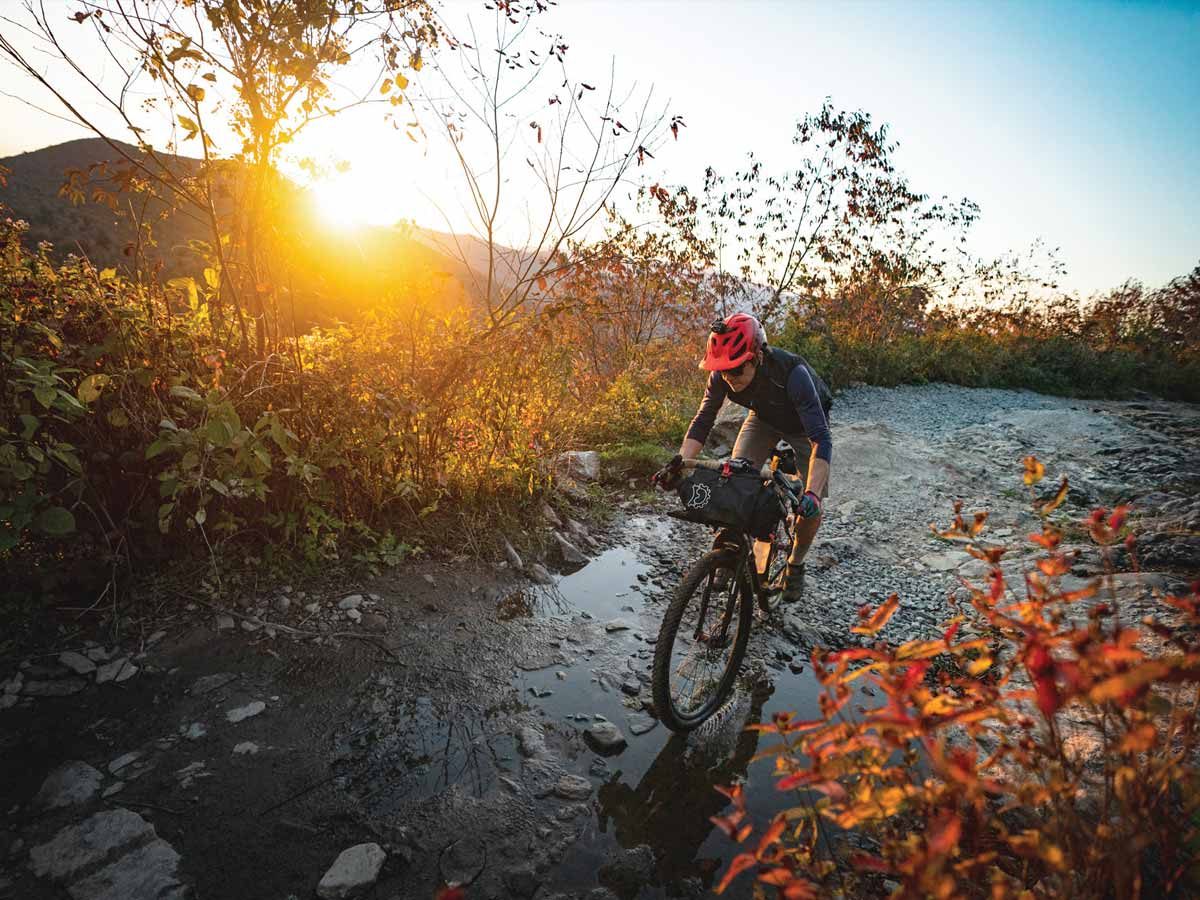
211, 278
187, 286
45, 395
217, 432
68, 459
201, 516
263, 457
157, 447
31, 423
89, 389
21, 470
56, 520
186, 392
218, 486
117, 418
35, 452
164, 517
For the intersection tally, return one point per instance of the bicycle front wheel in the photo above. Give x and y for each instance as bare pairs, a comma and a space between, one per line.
702, 641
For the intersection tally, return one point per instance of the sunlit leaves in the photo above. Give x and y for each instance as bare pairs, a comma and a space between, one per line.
1034, 470
873, 622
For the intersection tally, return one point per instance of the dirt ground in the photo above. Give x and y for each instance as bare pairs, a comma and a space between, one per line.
439, 722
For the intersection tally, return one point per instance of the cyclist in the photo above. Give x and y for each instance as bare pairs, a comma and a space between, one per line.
787, 401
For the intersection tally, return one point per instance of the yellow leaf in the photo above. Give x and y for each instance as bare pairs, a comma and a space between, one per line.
979, 666
107, 274
1034, 470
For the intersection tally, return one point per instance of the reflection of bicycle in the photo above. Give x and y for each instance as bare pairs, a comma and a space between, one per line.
707, 625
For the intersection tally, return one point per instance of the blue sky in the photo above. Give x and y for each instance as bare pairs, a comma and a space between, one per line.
1076, 123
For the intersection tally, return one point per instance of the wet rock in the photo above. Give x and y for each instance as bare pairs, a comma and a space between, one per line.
97, 654
355, 869
92, 841
113, 789
354, 615
521, 881
312, 608
251, 625
242, 713
573, 787
147, 873
539, 574
550, 515
631, 686
116, 671
640, 723
225, 622
617, 625
245, 748
70, 784
532, 742
282, 604
354, 601
64, 687
7, 701
570, 553
209, 683
462, 862
13, 684
605, 738
194, 732
122, 762
77, 663
628, 870
581, 464
540, 692
429, 579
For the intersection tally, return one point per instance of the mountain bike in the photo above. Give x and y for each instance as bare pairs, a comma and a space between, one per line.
706, 626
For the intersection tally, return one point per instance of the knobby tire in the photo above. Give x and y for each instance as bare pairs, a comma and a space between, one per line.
689, 592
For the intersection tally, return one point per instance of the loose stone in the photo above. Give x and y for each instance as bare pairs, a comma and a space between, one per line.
248, 711
77, 663
354, 869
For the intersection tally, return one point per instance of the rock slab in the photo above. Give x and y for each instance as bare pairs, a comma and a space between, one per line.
355, 868
92, 841
248, 711
573, 787
148, 873
70, 784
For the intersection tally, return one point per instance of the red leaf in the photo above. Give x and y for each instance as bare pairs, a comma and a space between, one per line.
945, 834
880, 618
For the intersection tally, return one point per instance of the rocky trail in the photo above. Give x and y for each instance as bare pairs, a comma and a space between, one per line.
489, 722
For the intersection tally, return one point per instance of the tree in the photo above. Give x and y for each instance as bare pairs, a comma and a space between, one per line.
237, 81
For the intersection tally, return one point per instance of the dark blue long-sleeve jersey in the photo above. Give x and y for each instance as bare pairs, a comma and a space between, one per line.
787, 400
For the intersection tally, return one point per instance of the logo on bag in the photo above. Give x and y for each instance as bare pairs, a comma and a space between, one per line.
701, 494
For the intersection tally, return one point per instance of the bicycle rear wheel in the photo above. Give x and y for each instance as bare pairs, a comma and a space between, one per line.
702, 641
781, 547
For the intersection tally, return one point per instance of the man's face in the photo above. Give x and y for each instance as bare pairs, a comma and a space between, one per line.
739, 378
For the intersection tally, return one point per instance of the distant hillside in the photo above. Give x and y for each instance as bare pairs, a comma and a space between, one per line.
90, 229
338, 273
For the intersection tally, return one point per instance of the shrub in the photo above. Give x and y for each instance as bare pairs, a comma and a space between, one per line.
1050, 755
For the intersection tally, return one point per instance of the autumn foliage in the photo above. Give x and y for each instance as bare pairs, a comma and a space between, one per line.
1043, 746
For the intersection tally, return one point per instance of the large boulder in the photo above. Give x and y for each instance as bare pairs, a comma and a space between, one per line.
582, 465
729, 423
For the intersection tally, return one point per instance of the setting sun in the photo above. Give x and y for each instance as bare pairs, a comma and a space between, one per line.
343, 201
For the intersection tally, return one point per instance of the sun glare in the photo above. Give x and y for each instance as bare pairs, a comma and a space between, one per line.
343, 202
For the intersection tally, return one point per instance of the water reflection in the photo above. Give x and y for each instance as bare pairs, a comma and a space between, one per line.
671, 805
532, 600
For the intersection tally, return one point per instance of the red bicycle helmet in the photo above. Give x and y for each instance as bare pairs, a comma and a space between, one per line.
733, 341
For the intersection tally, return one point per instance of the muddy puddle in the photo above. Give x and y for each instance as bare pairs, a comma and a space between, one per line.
588, 651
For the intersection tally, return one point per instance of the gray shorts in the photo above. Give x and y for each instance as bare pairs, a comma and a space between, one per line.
756, 438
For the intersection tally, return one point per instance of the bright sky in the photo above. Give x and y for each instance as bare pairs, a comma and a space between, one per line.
1075, 123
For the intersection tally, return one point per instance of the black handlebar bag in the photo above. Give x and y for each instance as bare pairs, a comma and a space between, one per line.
729, 498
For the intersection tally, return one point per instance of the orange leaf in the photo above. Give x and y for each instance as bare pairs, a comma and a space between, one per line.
740, 864
880, 617
776, 877
1139, 739
946, 833
1057, 500
770, 836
